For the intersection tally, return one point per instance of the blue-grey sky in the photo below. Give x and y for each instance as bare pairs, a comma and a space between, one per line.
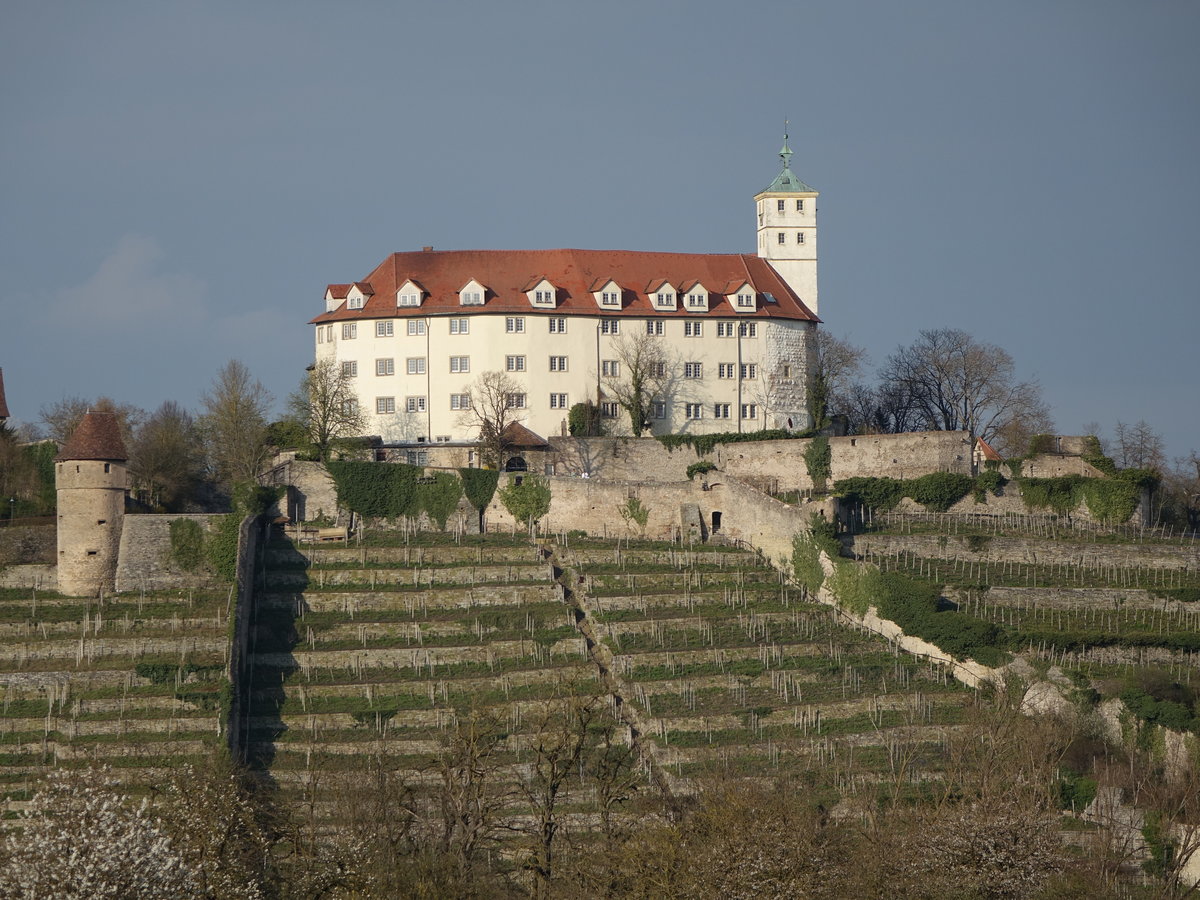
181, 180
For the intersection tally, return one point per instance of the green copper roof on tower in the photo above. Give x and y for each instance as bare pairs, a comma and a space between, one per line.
786, 181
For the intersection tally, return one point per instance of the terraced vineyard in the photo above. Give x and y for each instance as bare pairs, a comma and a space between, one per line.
1098, 606
132, 681
732, 670
681, 664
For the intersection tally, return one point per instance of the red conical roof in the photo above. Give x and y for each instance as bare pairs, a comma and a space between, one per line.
97, 437
3, 402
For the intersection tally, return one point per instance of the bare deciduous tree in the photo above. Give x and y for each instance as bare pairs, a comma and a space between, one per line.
165, 459
1137, 447
234, 423
645, 375
837, 363
496, 399
326, 404
956, 383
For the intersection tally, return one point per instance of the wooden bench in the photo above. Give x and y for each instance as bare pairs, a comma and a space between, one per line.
339, 533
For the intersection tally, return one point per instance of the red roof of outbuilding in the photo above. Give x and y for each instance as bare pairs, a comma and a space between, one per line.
3, 402
97, 437
506, 273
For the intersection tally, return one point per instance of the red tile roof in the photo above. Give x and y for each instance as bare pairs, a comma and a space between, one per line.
3, 402
97, 437
518, 437
986, 450
505, 273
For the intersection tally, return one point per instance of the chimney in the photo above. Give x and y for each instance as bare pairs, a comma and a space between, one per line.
427, 249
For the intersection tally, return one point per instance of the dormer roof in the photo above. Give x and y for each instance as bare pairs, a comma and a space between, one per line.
98, 436
576, 275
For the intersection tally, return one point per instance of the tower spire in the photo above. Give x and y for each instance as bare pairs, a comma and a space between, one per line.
786, 153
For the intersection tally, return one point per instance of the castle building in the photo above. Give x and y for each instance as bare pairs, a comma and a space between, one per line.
90, 476
726, 339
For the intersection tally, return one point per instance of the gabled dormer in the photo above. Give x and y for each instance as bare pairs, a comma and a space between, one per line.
742, 297
409, 294
608, 294
542, 294
335, 296
663, 296
695, 297
358, 295
472, 294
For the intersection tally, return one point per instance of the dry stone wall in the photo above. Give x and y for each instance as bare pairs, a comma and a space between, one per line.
144, 560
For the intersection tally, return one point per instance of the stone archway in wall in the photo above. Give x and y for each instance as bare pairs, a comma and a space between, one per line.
516, 464
716, 522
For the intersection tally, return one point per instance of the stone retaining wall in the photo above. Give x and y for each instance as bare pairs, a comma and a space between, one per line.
144, 560
994, 548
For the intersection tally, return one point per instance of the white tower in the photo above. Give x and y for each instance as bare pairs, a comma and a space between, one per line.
787, 230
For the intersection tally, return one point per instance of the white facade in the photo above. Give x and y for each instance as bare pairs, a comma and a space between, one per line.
735, 332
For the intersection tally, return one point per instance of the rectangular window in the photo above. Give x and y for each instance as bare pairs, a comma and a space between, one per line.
721, 411
385, 328
350, 368
657, 369
329, 333
544, 297
460, 364
349, 331
460, 401
785, 371
320, 334
514, 324
558, 325
697, 301
558, 401
654, 327
609, 410
726, 370
610, 368
725, 329
610, 298
416, 326
417, 457
694, 411
745, 301
442, 438
799, 237
693, 329
693, 370
610, 326
658, 410
354, 303
514, 401
416, 404
558, 364
385, 367
471, 298
350, 407
748, 329
409, 300
779, 205
416, 365
799, 206
385, 405
460, 326
749, 371
749, 410
666, 299
514, 363
781, 238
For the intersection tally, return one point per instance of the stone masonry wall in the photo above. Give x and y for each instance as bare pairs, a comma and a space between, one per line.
145, 553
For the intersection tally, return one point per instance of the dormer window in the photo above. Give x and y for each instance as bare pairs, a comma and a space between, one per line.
607, 294
542, 294
472, 294
745, 301
409, 294
355, 302
357, 295
742, 298
697, 299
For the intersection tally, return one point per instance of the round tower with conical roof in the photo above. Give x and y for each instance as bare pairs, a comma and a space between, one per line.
787, 229
90, 475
